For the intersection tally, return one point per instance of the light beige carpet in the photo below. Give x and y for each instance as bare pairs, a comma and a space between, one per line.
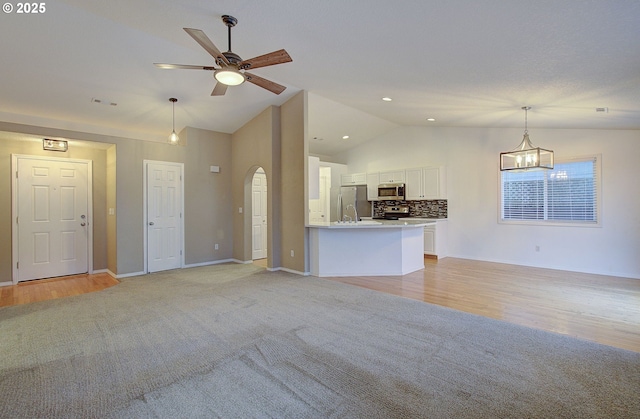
236, 341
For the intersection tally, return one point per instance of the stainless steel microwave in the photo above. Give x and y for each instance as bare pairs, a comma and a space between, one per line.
391, 191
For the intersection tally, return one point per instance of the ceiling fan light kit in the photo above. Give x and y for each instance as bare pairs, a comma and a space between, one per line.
526, 156
231, 71
229, 76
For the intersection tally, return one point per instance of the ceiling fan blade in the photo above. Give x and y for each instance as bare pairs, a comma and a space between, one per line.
184, 66
206, 43
219, 90
264, 83
272, 58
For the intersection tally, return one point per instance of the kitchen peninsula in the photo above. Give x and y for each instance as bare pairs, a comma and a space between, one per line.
371, 248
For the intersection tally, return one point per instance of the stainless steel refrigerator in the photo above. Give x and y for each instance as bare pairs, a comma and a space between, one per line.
351, 197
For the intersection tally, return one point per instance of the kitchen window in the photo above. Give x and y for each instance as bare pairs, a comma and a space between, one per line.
568, 194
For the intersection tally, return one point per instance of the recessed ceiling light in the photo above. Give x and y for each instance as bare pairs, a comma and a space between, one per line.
431, 119
387, 99
345, 137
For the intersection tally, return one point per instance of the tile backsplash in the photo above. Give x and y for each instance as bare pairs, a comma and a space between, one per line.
436, 208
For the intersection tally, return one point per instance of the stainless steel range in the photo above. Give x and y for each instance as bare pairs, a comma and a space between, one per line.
395, 212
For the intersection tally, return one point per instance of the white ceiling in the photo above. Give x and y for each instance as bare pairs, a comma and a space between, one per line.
466, 63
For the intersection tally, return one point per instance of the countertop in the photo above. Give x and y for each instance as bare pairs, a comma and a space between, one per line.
404, 223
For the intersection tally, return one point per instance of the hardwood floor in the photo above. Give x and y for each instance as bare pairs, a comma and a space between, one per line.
48, 289
598, 308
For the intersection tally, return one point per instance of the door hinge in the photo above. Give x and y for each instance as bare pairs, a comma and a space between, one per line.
16, 174
181, 253
17, 265
17, 218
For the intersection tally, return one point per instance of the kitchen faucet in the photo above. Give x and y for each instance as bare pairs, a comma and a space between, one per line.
354, 211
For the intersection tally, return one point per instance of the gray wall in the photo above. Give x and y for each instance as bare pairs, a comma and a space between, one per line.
256, 144
294, 196
275, 141
207, 196
118, 239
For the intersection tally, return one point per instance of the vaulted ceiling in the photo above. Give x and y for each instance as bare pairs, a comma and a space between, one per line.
465, 63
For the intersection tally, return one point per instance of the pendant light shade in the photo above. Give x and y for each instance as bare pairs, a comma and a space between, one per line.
526, 156
173, 138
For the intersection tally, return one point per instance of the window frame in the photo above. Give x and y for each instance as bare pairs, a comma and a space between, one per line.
577, 223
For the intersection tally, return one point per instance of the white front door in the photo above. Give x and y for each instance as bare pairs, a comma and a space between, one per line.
259, 215
164, 215
52, 206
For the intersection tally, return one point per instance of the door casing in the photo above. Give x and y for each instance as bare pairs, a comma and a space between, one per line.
14, 207
145, 204
259, 208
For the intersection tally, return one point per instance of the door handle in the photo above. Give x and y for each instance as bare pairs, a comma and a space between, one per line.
151, 223
83, 224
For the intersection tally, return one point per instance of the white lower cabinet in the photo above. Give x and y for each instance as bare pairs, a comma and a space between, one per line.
430, 240
435, 239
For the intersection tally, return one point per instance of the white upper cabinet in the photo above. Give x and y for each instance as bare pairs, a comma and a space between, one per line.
392, 177
426, 183
413, 188
354, 179
373, 180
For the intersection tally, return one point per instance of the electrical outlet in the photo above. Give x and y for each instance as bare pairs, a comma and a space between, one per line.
239, 210
216, 247
292, 253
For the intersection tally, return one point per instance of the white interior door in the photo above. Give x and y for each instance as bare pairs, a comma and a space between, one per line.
164, 216
52, 204
259, 215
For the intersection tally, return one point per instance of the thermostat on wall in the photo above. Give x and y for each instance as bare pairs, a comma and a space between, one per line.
215, 169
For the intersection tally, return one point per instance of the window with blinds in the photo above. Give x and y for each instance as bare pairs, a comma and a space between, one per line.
566, 194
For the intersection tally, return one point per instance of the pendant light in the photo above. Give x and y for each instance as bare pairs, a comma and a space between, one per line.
526, 156
173, 138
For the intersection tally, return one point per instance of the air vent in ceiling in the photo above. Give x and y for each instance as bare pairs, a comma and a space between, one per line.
103, 102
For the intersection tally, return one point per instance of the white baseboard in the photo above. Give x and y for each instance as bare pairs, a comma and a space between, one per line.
5, 284
213, 262
127, 275
289, 270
